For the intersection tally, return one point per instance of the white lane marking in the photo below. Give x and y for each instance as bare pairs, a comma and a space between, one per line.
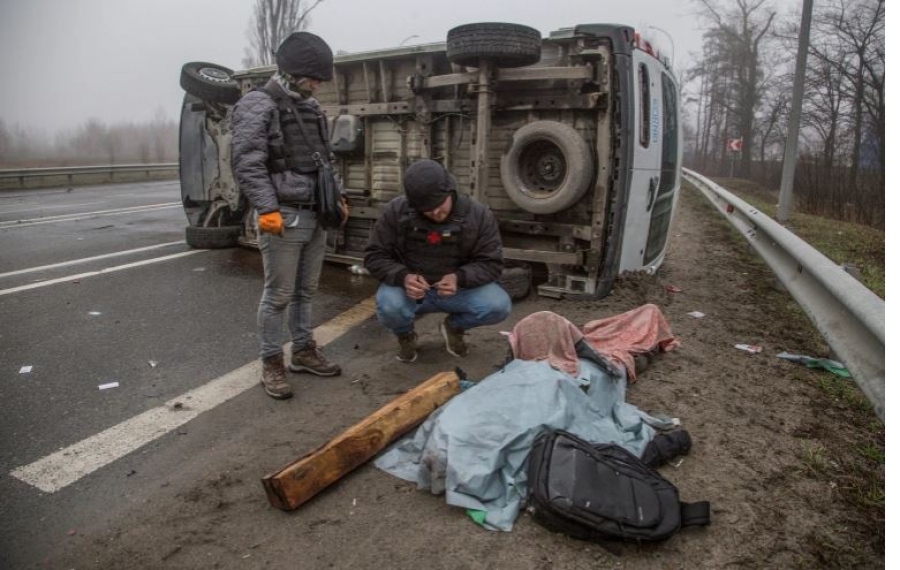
64, 467
71, 278
39, 206
89, 259
83, 215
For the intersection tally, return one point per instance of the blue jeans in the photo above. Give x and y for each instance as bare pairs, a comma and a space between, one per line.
469, 308
292, 264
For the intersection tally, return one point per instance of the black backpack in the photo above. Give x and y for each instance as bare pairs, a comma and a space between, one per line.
603, 492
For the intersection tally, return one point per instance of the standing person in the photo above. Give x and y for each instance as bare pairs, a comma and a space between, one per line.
276, 131
436, 251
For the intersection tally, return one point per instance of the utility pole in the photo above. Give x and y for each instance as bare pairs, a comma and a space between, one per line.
786, 196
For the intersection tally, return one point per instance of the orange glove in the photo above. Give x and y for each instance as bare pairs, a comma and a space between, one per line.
271, 223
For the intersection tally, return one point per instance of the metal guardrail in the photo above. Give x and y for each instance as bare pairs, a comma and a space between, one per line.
70, 172
849, 316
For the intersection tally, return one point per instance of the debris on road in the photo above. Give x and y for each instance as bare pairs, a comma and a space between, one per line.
108, 385
696, 314
833, 366
152, 363
301, 480
751, 348
673, 289
95, 313
25, 369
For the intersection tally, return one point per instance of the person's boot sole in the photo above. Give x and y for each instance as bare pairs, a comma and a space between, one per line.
277, 396
410, 361
443, 328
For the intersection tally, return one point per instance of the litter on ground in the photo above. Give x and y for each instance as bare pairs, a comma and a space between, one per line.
751, 348
696, 314
833, 366
108, 385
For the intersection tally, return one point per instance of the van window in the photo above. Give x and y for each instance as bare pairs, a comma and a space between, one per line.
644, 77
670, 148
668, 176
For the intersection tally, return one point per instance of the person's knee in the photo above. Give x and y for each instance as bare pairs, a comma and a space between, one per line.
392, 305
277, 298
494, 306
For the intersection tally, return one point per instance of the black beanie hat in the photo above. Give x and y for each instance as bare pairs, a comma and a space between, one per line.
303, 54
427, 185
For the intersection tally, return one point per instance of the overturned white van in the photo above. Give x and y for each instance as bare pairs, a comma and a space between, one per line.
574, 141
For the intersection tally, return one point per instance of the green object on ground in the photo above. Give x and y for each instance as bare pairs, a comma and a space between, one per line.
832, 366
477, 516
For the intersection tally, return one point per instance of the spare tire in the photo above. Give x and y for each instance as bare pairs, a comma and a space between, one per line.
505, 45
210, 82
548, 167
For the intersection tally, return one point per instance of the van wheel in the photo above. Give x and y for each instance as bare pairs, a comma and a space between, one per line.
212, 237
516, 281
505, 45
210, 82
547, 168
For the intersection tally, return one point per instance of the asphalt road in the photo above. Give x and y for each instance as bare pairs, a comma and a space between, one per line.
97, 287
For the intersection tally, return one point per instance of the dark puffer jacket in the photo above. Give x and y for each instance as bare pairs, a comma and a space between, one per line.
480, 245
254, 120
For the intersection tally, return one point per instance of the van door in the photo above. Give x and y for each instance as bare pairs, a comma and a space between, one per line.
657, 160
669, 177
645, 176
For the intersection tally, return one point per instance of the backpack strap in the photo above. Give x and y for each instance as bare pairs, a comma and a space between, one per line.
695, 514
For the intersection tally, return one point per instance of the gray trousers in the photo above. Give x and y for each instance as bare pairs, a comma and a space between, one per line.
292, 264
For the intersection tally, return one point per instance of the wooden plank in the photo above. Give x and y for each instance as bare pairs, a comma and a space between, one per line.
300, 481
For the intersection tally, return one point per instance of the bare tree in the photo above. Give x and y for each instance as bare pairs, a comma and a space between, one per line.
739, 29
859, 27
272, 21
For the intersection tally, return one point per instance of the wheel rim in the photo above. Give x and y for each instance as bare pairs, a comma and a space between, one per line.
542, 168
213, 74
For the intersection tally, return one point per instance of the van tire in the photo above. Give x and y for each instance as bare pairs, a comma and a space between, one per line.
516, 281
547, 168
210, 82
505, 45
213, 237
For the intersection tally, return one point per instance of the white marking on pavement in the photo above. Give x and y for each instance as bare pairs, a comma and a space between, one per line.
68, 465
89, 259
83, 215
80, 276
38, 206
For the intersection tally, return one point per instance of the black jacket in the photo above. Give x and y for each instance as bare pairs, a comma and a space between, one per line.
480, 245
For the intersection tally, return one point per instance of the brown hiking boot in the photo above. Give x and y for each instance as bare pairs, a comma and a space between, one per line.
453, 338
274, 379
311, 359
408, 351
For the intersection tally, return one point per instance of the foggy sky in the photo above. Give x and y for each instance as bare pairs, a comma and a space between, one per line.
64, 62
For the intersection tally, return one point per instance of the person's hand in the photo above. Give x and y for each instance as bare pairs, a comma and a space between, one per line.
447, 286
271, 223
415, 286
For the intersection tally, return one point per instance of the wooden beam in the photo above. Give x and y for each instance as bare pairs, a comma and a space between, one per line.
300, 481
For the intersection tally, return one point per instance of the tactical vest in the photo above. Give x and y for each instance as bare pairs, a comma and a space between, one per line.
433, 249
293, 150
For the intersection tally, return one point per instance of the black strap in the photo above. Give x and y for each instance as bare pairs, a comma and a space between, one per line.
695, 514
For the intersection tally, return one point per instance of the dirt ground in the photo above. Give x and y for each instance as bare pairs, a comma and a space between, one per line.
791, 459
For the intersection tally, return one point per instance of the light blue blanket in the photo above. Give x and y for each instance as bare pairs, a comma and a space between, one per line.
475, 447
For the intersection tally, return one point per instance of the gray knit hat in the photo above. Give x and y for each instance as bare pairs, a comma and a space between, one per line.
427, 185
303, 54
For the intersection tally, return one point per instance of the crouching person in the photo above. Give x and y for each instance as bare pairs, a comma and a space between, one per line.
436, 251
